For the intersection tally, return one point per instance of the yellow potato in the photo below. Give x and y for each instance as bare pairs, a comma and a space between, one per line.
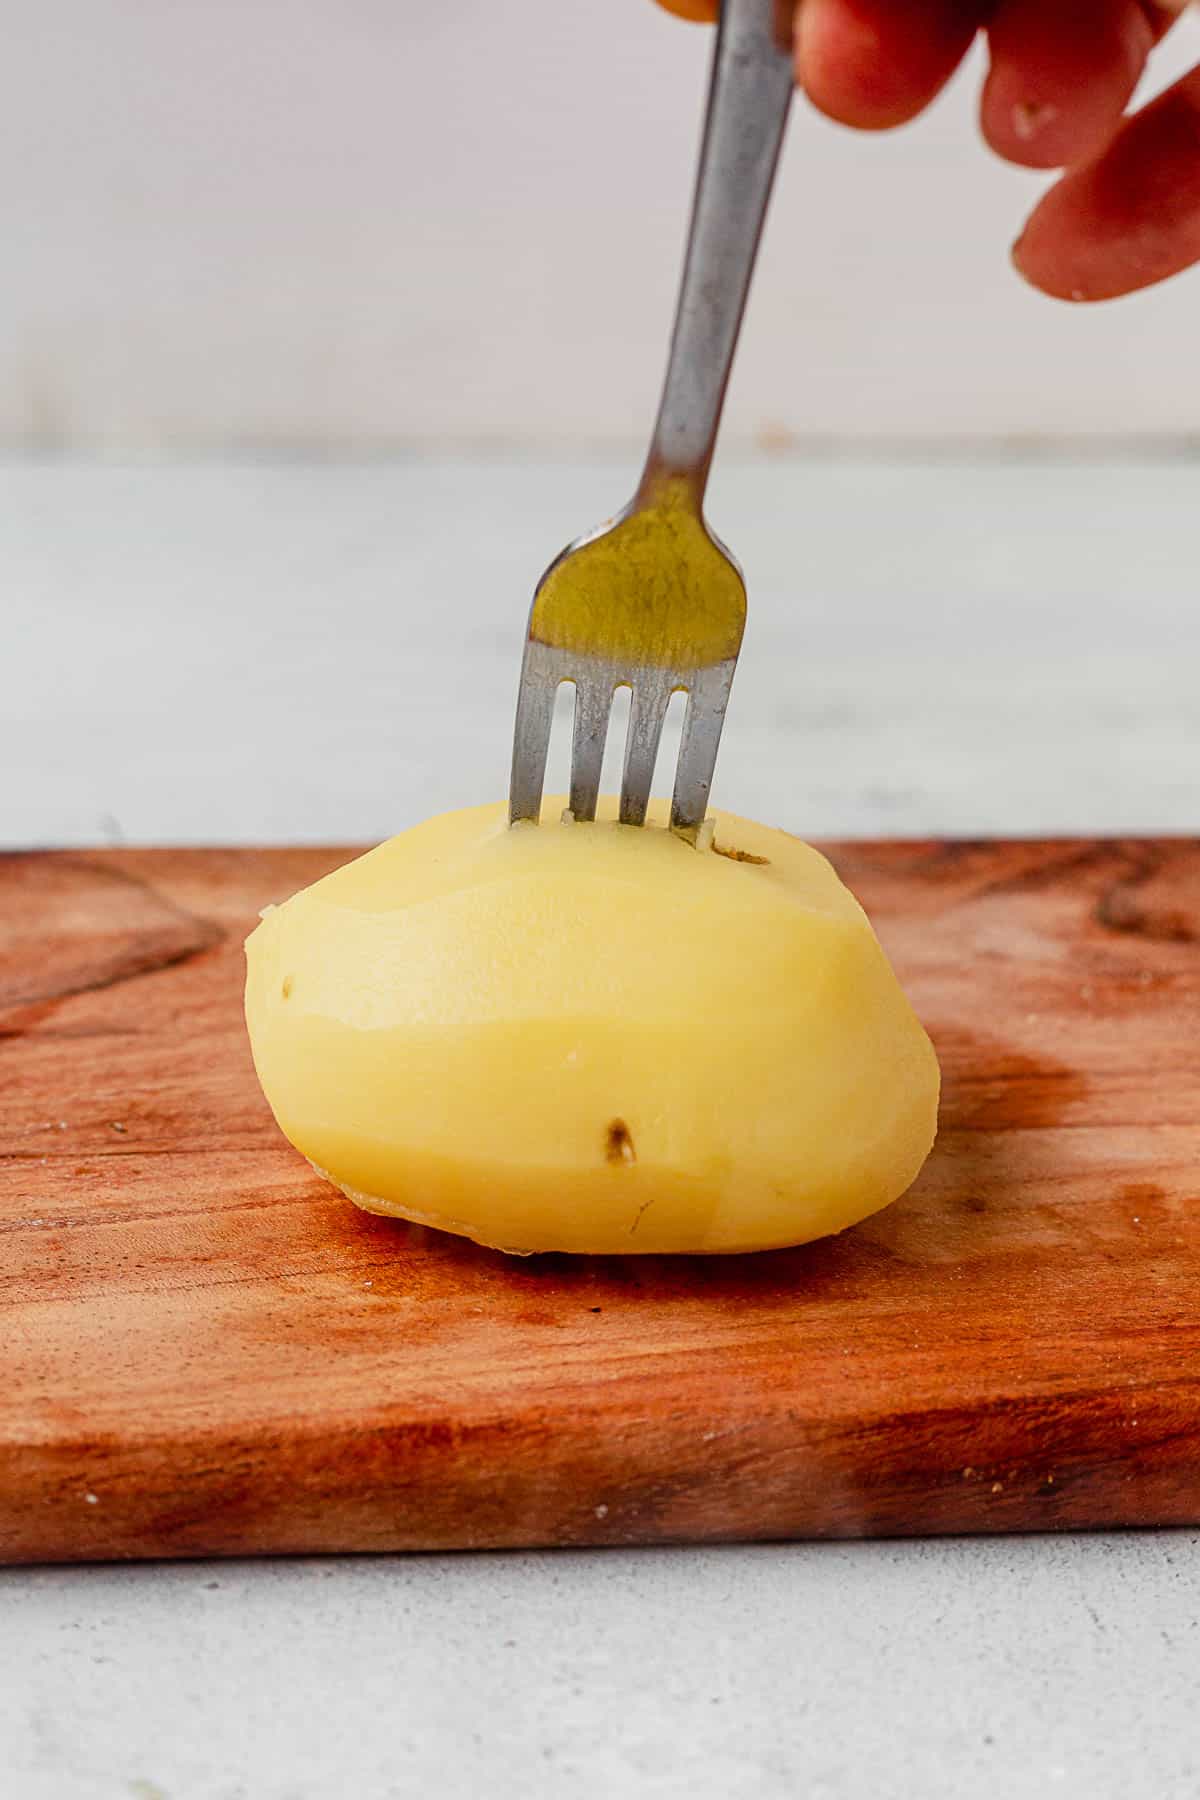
593, 1037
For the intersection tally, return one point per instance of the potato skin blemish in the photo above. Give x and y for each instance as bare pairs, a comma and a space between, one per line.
618, 1144
744, 856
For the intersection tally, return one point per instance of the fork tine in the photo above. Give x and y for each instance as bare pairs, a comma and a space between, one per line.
707, 700
646, 717
531, 738
593, 704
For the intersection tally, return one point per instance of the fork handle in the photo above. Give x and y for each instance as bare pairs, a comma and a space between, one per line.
749, 90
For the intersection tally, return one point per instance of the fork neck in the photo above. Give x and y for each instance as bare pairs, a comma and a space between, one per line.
749, 90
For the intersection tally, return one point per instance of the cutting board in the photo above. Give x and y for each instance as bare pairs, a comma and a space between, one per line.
205, 1349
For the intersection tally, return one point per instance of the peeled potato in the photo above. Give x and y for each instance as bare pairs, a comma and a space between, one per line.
593, 1037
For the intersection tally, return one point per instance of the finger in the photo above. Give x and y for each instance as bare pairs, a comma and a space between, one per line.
1162, 14
1129, 218
877, 63
1062, 73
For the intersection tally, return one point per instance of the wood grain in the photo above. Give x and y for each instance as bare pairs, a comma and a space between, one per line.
204, 1349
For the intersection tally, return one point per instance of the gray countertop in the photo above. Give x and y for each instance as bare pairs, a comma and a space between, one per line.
231, 653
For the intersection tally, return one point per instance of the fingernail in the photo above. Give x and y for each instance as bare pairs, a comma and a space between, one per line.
1030, 116
1075, 295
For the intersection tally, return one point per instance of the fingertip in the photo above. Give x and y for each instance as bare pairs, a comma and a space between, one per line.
872, 64
1054, 94
1056, 248
1047, 280
697, 12
1128, 219
1022, 127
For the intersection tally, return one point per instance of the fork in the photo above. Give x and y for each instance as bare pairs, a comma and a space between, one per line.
652, 600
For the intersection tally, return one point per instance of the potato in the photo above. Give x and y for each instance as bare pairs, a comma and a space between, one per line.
593, 1037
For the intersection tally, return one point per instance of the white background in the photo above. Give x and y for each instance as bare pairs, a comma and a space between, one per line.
257, 653
378, 222
1003, 1669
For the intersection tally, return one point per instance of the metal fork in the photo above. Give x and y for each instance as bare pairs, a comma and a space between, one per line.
652, 600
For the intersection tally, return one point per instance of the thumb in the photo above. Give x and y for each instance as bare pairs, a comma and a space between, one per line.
704, 11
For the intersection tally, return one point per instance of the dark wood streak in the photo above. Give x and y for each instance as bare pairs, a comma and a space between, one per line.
153, 933
43, 1010
1047, 870
1124, 906
230, 1359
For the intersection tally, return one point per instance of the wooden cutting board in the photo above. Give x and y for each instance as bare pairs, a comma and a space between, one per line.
205, 1349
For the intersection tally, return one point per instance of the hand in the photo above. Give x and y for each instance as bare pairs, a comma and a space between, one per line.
1127, 211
